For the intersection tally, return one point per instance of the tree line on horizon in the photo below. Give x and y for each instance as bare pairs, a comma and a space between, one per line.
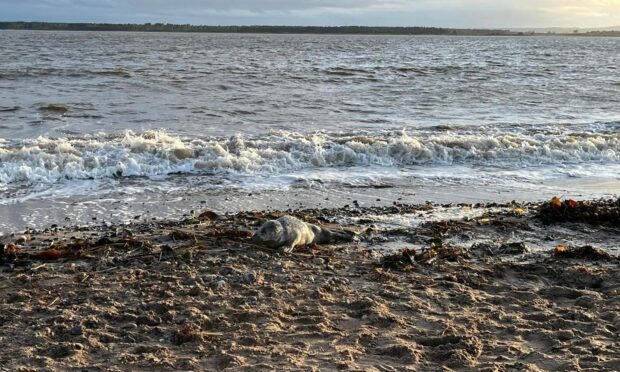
168, 27
337, 30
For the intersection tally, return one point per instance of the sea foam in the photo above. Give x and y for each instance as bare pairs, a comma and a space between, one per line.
157, 153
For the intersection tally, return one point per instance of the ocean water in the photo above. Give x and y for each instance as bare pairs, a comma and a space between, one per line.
123, 126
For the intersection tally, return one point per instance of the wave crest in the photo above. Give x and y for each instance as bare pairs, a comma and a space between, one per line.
157, 153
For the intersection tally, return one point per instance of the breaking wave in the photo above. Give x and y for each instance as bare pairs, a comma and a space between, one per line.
157, 153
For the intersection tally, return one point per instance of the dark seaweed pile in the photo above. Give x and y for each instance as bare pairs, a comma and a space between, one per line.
586, 252
592, 212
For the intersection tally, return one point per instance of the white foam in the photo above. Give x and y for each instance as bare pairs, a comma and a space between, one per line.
156, 153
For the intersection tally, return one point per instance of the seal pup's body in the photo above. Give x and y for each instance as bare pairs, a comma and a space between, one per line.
287, 232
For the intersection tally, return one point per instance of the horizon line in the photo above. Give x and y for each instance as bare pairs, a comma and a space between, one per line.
503, 28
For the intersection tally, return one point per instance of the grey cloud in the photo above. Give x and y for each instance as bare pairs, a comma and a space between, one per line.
251, 5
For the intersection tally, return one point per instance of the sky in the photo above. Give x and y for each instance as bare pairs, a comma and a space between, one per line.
440, 13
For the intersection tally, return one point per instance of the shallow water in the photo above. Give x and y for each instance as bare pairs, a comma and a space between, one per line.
116, 125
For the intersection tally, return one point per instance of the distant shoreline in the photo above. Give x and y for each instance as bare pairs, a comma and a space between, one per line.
327, 30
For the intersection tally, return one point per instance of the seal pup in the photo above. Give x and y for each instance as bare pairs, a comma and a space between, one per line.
287, 232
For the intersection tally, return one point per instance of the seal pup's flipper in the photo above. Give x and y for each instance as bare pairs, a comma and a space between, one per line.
326, 236
343, 236
286, 249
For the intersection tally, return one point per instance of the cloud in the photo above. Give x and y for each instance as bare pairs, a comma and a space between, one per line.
448, 13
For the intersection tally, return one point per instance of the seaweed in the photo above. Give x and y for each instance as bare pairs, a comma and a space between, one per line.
586, 252
403, 260
9, 253
407, 258
513, 248
209, 216
591, 212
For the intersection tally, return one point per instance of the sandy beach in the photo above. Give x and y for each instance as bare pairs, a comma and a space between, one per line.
483, 287
453, 191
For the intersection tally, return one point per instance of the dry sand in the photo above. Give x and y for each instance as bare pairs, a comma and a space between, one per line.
195, 295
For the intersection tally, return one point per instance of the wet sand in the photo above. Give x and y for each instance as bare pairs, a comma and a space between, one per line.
87, 204
509, 287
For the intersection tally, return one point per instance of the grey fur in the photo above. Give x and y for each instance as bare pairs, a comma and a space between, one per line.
287, 232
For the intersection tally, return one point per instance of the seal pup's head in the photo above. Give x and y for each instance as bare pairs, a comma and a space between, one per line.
269, 234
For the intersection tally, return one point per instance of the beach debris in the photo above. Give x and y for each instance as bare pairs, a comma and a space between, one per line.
181, 235
229, 233
484, 220
507, 249
209, 216
598, 212
586, 252
556, 202
10, 249
9, 253
407, 258
66, 249
513, 248
402, 261
186, 333
49, 254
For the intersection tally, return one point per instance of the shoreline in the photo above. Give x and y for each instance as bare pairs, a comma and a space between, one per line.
121, 208
509, 286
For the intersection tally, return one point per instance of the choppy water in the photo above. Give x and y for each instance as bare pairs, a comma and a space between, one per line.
112, 125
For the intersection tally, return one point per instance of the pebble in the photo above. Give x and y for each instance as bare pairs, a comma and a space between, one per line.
249, 278
76, 331
252, 300
210, 278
